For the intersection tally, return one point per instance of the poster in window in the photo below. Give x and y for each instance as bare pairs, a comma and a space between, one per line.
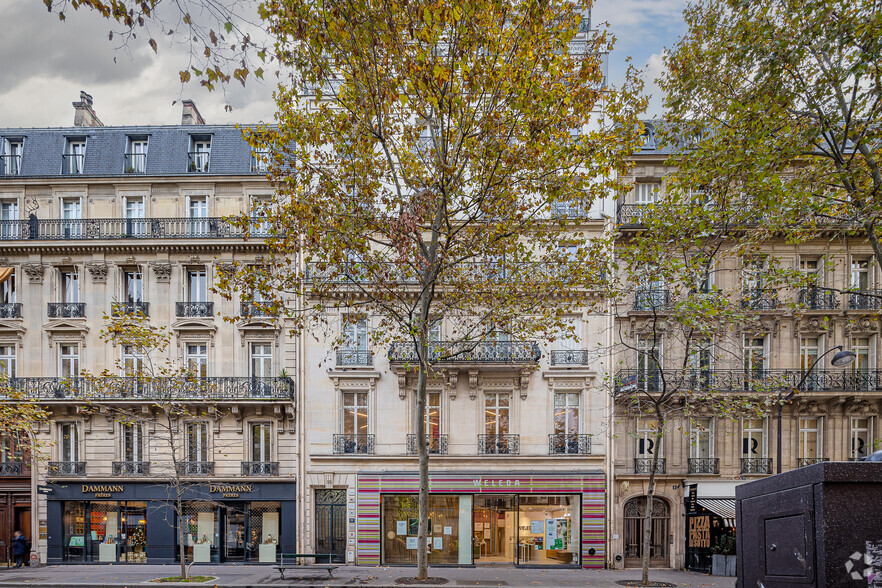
537, 527
439, 542
411, 542
401, 527
413, 527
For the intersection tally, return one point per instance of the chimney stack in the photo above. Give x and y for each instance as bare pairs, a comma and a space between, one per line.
190, 114
84, 116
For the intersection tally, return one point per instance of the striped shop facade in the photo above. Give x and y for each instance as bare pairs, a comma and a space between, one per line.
591, 487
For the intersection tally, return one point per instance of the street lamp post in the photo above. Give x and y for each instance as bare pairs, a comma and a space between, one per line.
842, 358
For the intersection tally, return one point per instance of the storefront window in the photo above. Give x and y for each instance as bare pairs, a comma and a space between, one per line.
264, 531
446, 515
200, 532
548, 530
73, 523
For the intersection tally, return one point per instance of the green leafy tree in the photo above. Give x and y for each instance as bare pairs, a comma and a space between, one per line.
429, 160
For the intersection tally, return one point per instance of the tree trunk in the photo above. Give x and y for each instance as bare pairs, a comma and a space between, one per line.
647, 518
179, 506
422, 547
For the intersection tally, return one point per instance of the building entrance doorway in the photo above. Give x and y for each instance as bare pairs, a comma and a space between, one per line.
330, 524
635, 513
234, 535
495, 529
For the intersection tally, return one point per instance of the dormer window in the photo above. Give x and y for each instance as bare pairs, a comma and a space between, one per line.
648, 137
260, 161
200, 154
10, 157
74, 157
136, 155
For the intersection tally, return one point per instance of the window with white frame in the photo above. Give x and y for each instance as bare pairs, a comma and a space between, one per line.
646, 192
260, 161
261, 442
355, 342
69, 360
132, 442
433, 415
136, 225
132, 361
701, 438
497, 412
197, 285
7, 360
701, 359
136, 157
809, 351
566, 413
9, 227
71, 218
355, 414
133, 282
259, 211
810, 441
200, 154
755, 363
10, 163
70, 285
647, 444
261, 360
811, 268
12, 447
197, 442
68, 442
74, 156
197, 359
197, 212
649, 358
860, 274
861, 437
860, 367
8, 294
753, 439
571, 336
753, 271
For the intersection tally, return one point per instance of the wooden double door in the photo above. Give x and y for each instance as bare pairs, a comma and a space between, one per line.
635, 520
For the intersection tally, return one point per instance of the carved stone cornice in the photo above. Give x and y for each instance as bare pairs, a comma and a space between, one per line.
98, 271
34, 272
162, 271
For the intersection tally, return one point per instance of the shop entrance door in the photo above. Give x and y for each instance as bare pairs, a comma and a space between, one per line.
495, 530
234, 534
330, 524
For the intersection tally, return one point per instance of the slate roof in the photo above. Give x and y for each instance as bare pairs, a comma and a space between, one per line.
167, 150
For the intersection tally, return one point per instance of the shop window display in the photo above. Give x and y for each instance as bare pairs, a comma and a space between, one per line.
548, 530
105, 531
446, 515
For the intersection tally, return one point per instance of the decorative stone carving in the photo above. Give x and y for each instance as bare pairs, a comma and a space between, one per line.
810, 408
402, 385
98, 271
226, 268
451, 384
473, 384
861, 324
859, 407
162, 271
34, 272
524, 383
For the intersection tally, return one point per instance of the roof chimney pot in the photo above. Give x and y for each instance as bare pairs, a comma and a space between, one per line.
84, 115
190, 114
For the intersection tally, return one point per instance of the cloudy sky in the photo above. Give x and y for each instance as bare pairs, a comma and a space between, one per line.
47, 62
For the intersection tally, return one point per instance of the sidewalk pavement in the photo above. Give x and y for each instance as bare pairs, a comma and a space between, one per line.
98, 576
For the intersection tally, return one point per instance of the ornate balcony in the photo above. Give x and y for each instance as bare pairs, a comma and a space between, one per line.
353, 444
499, 444
759, 299
807, 461
119, 228
260, 468
454, 352
434, 445
649, 299
815, 299
704, 465
130, 308
66, 468
569, 357
153, 389
196, 468
756, 465
569, 444
643, 465
865, 300
66, 309
131, 468
254, 310
354, 357
631, 214
13, 468
847, 380
10, 310
194, 309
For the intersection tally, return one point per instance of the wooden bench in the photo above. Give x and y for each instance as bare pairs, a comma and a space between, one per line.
289, 562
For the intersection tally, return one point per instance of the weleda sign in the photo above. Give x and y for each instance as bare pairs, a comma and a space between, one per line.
495, 483
102, 491
230, 490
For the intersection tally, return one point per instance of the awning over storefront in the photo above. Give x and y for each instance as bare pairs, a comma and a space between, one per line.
722, 507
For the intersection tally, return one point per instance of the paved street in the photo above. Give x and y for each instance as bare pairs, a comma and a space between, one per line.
245, 575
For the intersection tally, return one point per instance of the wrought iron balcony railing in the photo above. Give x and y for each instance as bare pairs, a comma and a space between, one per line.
353, 444
434, 445
643, 465
136, 163
569, 443
647, 299
72, 163
67, 468
251, 309
631, 214
195, 468
111, 388
260, 468
10, 165
704, 465
517, 352
499, 444
131, 468
199, 161
66, 309
847, 380
13, 468
194, 309
569, 357
120, 228
756, 465
10, 310
815, 299
354, 357
759, 299
865, 300
807, 461
569, 210
130, 308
